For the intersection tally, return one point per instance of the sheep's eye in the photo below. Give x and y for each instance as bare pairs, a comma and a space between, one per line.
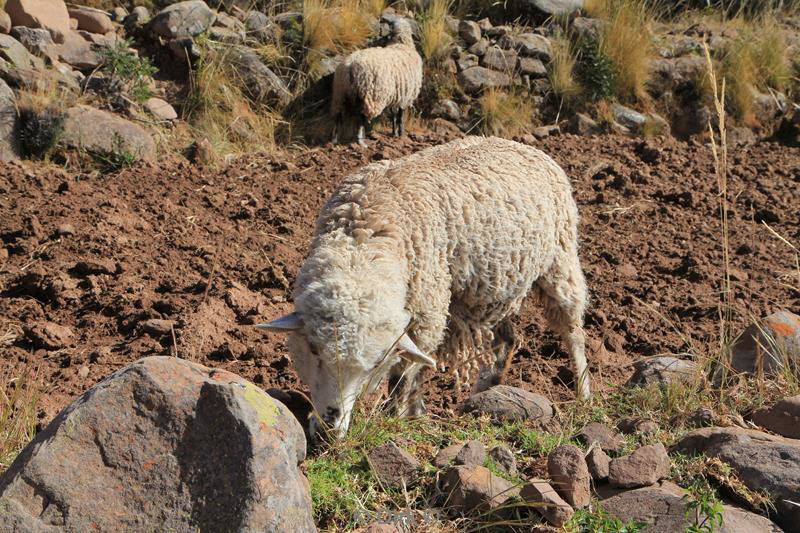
313, 350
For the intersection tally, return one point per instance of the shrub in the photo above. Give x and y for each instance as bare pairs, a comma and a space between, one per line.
133, 71
595, 70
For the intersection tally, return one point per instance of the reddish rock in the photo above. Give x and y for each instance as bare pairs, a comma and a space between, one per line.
782, 418
48, 335
643, 467
475, 489
395, 467
547, 502
473, 453
570, 475
91, 20
51, 15
598, 463
608, 439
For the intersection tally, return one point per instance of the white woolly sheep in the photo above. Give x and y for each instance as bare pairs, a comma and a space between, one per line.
434, 253
372, 80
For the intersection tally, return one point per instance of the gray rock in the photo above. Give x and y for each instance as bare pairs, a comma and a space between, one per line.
164, 444
497, 59
547, 502
12, 51
48, 335
782, 418
37, 41
288, 19
504, 459
467, 61
395, 467
160, 109
79, 53
569, 473
258, 26
605, 437
661, 509
772, 342
555, 7
157, 327
51, 15
447, 455
184, 19
642, 468
662, 370
469, 31
10, 148
184, 49
627, 117
598, 463
225, 35
479, 48
475, 489
532, 67
473, 453
761, 461
260, 83
446, 109
631, 425
533, 45
137, 19
673, 75
504, 402
476, 79
582, 124
587, 28
91, 129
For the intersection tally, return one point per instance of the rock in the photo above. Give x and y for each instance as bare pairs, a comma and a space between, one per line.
184, 49
224, 35
475, 79
534, 68
598, 463
555, 7
466, 61
37, 41
66, 230
73, 24
628, 118
770, 342
782, 418
50, 15
12, 51
288, 19
377, 527
137, 19
702, 417
642, 468
497, 59
10, 148
160, 109
479, 48
665, 509
547, 502
570, 475
543, 132
5, 22
656, 125
608, 439
446, 109
582, 124
156, 327
79, 53
447, 455
118, 14
635, 425
504, 403
473, 453
504, 459
627, 271
675, 75
662, 370
475, 489
260, 83
761, 461
184, 19
533, 45
90, 129
587, 28
164, 444
258, 26
94, 267
48, 335
469, 31
395, 467
92, 20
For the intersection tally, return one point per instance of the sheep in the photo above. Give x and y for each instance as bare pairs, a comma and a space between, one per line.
372, 80
430, 254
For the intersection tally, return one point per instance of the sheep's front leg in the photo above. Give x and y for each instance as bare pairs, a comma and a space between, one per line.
400, 128
337, 126
405, 389
393, 114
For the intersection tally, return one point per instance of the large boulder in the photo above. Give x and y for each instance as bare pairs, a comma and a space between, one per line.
52, 15
555, 7
14, 52
9, 124
782, 418
37, 41
78, 52
163, 445
662, 370
476, 79
92, 20
260, 83
93, 130
184, 19
762, 462
666, 509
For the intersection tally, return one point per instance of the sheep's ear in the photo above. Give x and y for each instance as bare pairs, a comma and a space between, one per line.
290, 322
411, 353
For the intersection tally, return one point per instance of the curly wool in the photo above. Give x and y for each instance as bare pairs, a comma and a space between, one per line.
461, 232
375, 79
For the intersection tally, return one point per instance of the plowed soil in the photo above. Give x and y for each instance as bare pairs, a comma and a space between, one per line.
173, 258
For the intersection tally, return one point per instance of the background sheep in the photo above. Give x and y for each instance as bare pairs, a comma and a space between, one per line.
374, 79
434, 252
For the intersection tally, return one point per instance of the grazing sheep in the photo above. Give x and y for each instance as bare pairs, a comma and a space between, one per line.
374, 79
433, 254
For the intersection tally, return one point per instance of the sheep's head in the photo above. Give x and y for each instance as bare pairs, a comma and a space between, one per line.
402, 32
348, 328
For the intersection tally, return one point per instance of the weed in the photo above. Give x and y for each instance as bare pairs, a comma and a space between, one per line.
595, 70
503, 113
434, 36
19, 399
598, 521
133, 71
705, 507
115, 159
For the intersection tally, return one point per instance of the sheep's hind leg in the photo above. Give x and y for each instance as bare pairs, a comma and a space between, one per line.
405, 389
393, 114
362, 128
563, 295
400, 128
505, 344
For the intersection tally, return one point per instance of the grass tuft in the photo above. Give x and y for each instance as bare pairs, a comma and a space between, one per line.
562, 71
337, 26
434, 36
19, 399
503, 113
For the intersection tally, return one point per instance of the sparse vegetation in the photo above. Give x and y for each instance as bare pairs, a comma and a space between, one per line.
562, 71
133, 72
434, 36
19, 400
115, 159
598, 521
504, 113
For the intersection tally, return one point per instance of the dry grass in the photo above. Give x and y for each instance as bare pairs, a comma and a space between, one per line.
434, 36
218, 110
19, 398
337, 26
626, 40
561, 71
503, 113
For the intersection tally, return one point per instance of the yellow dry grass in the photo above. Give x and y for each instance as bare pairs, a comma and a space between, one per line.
434, 35
337, 26
503, 113
561, 71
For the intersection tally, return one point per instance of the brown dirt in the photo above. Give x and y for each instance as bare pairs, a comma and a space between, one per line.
175, 249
